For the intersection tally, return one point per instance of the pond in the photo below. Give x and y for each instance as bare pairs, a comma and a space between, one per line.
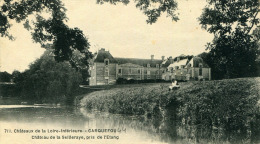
55, 124
52, 124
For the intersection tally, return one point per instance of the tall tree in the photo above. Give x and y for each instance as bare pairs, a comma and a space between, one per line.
234, 48
51, 32
49, 81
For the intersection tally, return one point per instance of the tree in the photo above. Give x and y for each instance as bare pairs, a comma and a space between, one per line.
234, 48
151, 8
50, 32
55, 34
49, 81
5, 77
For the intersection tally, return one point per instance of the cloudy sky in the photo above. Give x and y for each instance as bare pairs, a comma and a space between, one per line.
120, 29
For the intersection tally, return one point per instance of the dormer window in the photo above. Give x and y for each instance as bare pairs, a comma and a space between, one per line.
148, 65
106, 62
157, 65
200, 65
172, 70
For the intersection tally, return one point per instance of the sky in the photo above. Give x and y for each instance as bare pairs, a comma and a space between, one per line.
118, 28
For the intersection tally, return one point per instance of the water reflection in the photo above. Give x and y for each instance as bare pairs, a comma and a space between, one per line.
129, 129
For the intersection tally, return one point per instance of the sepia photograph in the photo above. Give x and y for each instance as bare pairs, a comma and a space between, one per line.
129, 72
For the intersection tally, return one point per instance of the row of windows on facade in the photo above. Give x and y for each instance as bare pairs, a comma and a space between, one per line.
139, 71
200, 72
148, 77
120, 71
106, 61
145, 72
182, 67
130, 71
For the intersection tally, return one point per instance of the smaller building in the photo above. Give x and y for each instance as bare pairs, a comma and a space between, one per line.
185, 69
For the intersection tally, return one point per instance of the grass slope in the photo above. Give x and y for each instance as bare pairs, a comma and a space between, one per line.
138, 98
226, 109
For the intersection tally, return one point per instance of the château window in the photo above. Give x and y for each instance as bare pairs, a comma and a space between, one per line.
171, 69
145, 71
157, 65
200, 70
189, 65
106, 62
130, 71
139, 71
148, 65
120, 71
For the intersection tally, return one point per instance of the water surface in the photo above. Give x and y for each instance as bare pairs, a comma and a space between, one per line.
27, 123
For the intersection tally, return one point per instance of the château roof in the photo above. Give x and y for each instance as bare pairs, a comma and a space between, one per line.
195, 61
182, 62
141, 62
102, 55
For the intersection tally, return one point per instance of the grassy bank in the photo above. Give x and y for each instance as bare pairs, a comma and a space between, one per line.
226, 109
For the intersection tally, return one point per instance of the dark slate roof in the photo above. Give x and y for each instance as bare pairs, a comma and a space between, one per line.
102, 55
197, 60
167, 62
141, 62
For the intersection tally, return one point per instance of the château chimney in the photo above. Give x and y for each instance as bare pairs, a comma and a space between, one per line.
163, 58
170, 59
102, 49
152, 57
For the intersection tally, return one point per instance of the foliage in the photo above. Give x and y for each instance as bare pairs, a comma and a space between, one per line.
50, 32
49, 81
5, 77
226, 110
53, 33
151, 8
234, 48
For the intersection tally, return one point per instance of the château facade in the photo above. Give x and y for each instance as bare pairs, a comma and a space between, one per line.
105, 69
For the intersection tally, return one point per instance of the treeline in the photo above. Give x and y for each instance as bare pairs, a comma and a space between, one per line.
47, 81
244, 64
